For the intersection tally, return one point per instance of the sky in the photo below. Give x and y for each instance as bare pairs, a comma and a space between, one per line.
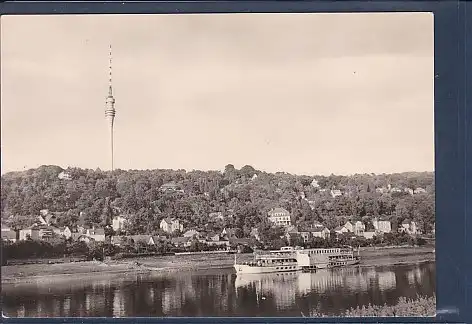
300, 93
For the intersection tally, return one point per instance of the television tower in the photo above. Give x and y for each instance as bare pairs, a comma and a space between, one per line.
110, 109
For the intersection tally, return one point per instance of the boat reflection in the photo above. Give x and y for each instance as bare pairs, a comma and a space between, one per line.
284, 287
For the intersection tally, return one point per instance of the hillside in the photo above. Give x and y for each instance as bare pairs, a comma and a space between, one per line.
92, 197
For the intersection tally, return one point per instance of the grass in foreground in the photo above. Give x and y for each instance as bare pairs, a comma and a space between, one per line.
420, 307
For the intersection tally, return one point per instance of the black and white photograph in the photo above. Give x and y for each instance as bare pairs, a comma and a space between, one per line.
218, 165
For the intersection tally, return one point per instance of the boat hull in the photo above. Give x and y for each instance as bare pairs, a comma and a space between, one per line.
243, 268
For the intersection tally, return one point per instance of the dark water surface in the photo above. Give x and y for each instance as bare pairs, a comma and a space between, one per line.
222, 293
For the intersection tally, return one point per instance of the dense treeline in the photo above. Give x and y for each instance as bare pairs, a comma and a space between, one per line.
92, 197
59, 247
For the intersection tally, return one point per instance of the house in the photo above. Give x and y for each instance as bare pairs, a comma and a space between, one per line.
409, 227
97, 234
255, 234
10, 235
358, 228
312, 204
118, 223
216, 239
254, 177
64, 176
341, 230
382, 225
336, 193
170, 187
5, 227
63, 230
316, 231
82, 229
191, 234
31, 232
119, 240
241, 241
381, 190
181, 241
139, 238
395, 189
216, 216
47, 218
154, 240
321, 232
279, 216
46, 232
228, 232
419, 191
170, 225
291, 232
349, 226
368, 235
317, 224
315, 184
84, 238
408, 190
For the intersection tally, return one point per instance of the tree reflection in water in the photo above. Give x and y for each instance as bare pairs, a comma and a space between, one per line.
222, 293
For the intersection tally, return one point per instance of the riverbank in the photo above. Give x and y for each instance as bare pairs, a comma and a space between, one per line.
33, 273
420, 307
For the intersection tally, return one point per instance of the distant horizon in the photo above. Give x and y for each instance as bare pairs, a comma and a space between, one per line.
220, 170
295, 93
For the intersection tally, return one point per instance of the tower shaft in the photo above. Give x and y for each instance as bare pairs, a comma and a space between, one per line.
110, 111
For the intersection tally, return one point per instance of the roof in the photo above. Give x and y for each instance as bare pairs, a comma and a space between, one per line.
75, 236
191, 232
10, 235
314, 229
116, 239
278, 210
49, 216
241, 241
169, 185
140, 238
97, 231
169, 220
180, 239
154, 238
406, 221
339, 228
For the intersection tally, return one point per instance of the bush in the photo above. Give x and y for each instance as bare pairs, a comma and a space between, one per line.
420, 307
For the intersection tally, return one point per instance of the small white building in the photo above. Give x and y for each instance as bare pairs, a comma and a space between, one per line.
118, 223
64, 176
419, 191
336, 193
170, 225
341, 230
349, 226
382, 225
191, 233
358, 228
409, 227
369, 235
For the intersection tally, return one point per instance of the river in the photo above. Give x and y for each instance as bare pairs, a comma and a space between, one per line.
219, 292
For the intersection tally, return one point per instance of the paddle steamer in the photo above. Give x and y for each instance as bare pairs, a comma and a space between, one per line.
297, 259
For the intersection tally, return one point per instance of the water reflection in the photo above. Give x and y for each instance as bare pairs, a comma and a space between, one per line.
222, 293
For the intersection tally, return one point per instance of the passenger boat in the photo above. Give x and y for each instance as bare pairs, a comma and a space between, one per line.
297, 259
